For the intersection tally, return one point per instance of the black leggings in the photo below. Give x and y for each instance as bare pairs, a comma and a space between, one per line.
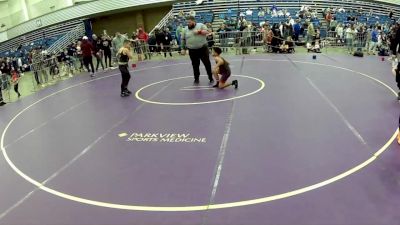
167, 48
397, 76
16, 88
393, 47
107, 55
87, 60
126, 76
99, 60
37, 77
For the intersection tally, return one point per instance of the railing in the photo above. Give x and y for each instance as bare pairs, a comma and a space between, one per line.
67, 39
163, 21
245, 42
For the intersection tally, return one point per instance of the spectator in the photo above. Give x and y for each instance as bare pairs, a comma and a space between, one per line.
36, 64
106, 42
339, 32
160, 37
143, 41
167, 42
249, 12
261, 13
181, 13
210, 38
374, 41
350, 34
291, 21
117, 43
136, 45
152, 43
178, 35
333, 24
98, 51
310, 32
393, 41
297, 30
223, 33
268, 38
87, 51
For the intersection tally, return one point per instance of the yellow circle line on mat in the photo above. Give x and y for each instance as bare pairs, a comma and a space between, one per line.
137, 94
196, 207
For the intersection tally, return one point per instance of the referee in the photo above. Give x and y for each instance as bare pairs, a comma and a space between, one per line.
194, 39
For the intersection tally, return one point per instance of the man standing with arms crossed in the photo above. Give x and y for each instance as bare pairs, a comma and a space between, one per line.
194, 39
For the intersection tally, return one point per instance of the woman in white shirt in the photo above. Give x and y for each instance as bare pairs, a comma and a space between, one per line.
350, 33
339, 33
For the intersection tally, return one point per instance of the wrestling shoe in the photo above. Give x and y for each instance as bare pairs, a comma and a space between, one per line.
235, 83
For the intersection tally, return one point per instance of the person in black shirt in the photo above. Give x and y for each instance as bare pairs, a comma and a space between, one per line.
160, 38
106, 41
152, 43
167, 42
98, 51
123, 56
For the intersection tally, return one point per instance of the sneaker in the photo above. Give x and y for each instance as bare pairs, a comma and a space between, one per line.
235, 83
124, 94
2, 103
128, 91
92, 75
216, 85
211, 81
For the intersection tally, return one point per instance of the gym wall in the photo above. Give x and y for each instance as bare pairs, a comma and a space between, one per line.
129, 21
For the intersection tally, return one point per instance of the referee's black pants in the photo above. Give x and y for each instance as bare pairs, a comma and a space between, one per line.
202, 54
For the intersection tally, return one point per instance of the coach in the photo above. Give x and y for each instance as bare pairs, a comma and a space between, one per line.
194, 39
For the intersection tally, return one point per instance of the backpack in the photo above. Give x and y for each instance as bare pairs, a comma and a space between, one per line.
359, 54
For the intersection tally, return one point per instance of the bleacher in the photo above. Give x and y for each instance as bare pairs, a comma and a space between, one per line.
227, 10
221, 8
364, 18
205, 17
20, 46
256, 19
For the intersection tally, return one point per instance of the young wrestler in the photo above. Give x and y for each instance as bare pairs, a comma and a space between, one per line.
221, 70
123, 56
